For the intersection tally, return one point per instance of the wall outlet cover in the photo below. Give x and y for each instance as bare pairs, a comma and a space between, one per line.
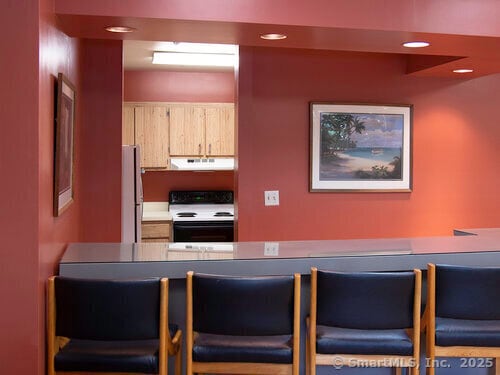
271, 249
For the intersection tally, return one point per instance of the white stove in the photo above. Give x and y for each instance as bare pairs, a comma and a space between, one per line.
202, 216
202, 212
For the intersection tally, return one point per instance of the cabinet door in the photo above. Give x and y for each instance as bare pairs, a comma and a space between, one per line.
128, 128
151, 133
187, 130
220, 130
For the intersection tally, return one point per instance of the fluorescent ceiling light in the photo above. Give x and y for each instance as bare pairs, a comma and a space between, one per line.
120, 29
463, 70
194, 59
273, 36
416, 44
230, 49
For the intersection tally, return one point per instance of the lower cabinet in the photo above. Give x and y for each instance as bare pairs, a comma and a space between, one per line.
156, 231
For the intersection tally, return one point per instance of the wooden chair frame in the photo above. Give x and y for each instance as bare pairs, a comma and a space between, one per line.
167, 345
314, 358
241, 367
432, 349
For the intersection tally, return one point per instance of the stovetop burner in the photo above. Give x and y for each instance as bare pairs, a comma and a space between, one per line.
186, 214
223, 214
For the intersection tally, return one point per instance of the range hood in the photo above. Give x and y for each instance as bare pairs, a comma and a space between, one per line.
202, 164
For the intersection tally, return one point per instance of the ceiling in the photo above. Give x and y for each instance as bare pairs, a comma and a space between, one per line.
459, 37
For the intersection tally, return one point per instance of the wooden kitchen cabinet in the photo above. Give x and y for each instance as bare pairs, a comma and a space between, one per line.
202, 130
147, 126
219, 130
187, 130
156, 231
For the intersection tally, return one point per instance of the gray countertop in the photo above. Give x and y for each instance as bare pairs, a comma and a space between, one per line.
104, 260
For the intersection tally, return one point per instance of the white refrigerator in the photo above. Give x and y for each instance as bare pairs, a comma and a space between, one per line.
132, 197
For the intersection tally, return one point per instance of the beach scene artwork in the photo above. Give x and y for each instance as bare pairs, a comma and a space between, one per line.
360, 146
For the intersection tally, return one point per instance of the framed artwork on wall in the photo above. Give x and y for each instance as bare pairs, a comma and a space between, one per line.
64, 145
360, 147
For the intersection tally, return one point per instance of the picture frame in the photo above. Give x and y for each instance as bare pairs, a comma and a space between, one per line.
64, 145
360, 147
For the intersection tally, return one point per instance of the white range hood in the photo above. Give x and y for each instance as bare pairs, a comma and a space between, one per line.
202, 164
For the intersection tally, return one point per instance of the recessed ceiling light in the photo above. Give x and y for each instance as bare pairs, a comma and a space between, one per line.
463, 70
194, 59
120, 29
416, 44
273, 36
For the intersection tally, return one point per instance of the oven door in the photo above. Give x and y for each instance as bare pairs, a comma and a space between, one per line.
203, 231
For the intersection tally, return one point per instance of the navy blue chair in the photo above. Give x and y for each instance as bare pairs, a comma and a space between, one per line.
110, 326
463, 315
367, 319
242, 325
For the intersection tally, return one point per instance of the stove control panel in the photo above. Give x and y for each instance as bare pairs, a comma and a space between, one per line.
208, 197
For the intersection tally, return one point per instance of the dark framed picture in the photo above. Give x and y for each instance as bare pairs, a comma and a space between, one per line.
64, 145
360, 147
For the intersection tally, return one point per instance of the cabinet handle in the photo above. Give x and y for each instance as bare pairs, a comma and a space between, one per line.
209, 148
199, 148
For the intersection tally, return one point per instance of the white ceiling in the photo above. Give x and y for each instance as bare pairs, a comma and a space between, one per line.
138, 55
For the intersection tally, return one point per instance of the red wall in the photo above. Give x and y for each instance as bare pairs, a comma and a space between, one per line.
167, 86
101, 155
32, 239
456, 140
158, 184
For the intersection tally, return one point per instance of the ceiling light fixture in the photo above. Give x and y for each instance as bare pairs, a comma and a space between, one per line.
120, 29
416, 44
198, 48
273, 36
194, 59
461, 71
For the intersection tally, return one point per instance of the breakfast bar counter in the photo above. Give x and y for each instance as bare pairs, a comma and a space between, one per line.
115, 260
173, 260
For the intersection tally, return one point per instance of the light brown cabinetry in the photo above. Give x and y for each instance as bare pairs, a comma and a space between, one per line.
147, 126
202, 130
156, 231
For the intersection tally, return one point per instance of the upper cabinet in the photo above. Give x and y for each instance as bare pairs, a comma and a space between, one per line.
147, 126
178, 129
202, 130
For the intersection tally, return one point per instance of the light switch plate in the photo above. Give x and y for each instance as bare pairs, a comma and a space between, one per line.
272, 198
271, 249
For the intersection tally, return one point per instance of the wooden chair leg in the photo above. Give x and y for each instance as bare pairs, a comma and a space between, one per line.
178, 362
497, 366
397, 371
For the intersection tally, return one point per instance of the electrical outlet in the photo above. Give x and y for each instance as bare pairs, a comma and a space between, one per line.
271, 249
272, 198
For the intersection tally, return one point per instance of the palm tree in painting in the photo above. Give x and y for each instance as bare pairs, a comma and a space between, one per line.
336, 132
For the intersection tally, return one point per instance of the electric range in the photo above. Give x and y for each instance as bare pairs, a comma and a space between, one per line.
202, 216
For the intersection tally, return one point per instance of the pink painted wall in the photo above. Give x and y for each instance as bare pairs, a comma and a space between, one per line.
455, 136
158, 184
19, 325
33, 240
167, 86
101, 125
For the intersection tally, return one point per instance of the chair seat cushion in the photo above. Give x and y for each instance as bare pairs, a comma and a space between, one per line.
108, 356
460, 332
335, 340
225, 348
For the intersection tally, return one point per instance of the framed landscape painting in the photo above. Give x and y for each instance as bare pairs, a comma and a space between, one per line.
64, 139
360, 147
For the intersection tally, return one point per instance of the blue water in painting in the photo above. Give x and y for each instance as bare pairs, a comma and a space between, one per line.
384, 154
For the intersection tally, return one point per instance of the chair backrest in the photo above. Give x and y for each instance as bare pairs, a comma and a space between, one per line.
243, 306
381, 300
107, 309
467, 292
